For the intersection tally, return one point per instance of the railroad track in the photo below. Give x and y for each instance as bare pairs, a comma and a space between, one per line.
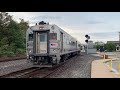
11, 59
36, 72
19, 74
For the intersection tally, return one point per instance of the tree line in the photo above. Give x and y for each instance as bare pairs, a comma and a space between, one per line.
110, 47
12, 35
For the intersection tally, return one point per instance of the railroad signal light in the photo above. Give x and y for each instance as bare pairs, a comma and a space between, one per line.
86, 41
86, 36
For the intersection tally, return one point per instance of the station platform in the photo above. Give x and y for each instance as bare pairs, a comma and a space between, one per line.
100, 70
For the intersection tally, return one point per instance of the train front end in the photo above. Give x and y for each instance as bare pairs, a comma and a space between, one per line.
39, 56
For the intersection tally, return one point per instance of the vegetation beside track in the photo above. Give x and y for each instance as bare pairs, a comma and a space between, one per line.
12, 36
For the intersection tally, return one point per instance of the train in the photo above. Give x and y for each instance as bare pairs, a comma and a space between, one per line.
48, 45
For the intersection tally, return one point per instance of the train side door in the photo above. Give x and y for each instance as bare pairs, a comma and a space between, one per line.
41, 42
61, 42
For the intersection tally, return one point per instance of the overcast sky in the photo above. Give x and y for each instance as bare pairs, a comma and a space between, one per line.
100, 26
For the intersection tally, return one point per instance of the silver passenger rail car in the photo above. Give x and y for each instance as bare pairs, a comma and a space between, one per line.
49, 45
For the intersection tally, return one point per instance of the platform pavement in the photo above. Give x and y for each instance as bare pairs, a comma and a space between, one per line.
100, 70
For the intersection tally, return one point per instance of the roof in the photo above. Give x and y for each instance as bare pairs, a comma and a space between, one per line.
113, 42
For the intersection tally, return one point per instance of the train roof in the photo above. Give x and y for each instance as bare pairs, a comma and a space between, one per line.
47, 24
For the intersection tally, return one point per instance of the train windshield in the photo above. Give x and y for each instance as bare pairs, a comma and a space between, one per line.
43, 37
53, 36
30, 37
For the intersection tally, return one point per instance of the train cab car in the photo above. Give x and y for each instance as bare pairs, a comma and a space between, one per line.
48, 45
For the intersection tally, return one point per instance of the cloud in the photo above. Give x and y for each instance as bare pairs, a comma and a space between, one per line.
95, 22
105, 36
46, 17
100, 26
27, 16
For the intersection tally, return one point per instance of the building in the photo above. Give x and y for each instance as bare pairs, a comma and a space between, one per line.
116, 43
91, 48
99, 43
83, 48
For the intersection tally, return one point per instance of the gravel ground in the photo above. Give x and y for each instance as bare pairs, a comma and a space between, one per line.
77, 67
12, 66
80, 67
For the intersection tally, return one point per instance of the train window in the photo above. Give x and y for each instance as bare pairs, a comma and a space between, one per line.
30, 37
53, 36
72, 43
81, 47
43, 38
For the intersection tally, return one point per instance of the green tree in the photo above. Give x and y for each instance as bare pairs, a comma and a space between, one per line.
110, 47
97, 47
12, 35
15, 38
23, 25
4, 22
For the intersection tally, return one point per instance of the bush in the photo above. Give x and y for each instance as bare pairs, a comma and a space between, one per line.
0, 54
110, 47
97, 47
20, 51
7, 53
5, 50
12, 35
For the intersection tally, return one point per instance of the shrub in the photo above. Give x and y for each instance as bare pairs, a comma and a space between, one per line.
20, 51
7, 53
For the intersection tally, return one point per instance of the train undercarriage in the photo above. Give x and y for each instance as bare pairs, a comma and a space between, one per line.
50, 60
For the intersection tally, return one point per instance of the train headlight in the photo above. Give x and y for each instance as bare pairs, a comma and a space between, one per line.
54, 58
29, 51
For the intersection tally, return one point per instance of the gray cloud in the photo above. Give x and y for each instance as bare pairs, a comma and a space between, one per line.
94, 22
46, 17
